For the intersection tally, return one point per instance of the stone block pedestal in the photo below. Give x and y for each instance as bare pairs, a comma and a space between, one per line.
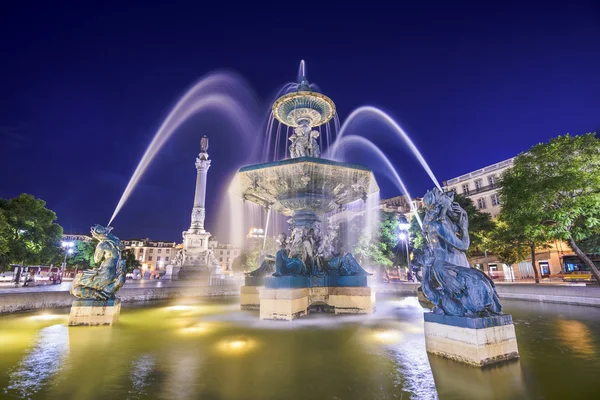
249, 298
94, 312
475, 341
291, 303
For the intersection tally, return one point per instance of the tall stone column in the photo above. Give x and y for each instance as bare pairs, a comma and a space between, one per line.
202, 166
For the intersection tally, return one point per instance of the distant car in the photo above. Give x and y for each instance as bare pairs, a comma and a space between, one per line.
6, 276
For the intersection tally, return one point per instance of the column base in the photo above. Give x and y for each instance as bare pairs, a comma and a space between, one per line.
94, 312
476, 341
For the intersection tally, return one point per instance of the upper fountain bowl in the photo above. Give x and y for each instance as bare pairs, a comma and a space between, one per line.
303, 107
305, 184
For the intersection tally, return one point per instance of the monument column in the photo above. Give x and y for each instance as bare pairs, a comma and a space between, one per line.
202, 166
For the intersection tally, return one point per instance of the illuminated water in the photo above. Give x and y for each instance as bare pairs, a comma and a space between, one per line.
211, 350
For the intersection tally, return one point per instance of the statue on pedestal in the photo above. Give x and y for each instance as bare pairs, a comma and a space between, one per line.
448, 281
103, 282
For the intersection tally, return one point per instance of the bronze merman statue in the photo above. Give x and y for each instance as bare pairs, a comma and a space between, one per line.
103, 282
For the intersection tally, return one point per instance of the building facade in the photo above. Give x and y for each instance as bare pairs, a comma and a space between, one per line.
481, 186
153, 255
74, 237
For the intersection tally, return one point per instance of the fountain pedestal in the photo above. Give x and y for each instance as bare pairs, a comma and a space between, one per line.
476, 341
88, 312
295, 302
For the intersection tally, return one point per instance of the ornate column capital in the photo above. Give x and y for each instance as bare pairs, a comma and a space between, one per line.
202, 163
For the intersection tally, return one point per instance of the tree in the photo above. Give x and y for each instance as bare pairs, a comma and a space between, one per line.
505, 244
32, 235
417, 239
553, 192
83, 254
131, 262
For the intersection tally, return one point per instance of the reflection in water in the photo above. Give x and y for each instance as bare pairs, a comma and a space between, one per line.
576, 336
37, 369
461, 381
213, 350
141, 370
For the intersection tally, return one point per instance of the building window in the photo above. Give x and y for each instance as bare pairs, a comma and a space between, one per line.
141, 258
227, 252
495, 199
492, 180
158, 258
478, 185
227, 259
151, 251
149, 258
221, 259
160, 250
167, 250
166, 258
465, 188
481, 203
221, 253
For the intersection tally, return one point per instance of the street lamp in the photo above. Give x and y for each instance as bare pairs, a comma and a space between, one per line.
68, 246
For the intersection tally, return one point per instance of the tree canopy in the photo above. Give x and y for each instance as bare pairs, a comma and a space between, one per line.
29, 232
553, 192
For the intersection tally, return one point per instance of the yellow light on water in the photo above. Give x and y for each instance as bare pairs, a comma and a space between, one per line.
387, 336
196, 329
47, 317
179, 308
236, 346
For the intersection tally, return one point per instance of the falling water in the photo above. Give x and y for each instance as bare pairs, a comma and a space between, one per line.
222, 91
379, 114
266, 228
391, 172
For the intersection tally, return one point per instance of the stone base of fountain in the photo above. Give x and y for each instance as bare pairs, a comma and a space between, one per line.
249, 297
87, 312
291, 303
476, 341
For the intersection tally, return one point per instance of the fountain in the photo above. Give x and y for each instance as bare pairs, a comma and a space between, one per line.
308, 269
95, 289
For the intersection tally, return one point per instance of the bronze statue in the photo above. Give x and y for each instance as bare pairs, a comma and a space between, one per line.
448, 281
103, 282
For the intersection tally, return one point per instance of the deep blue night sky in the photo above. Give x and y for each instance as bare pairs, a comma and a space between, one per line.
84, 88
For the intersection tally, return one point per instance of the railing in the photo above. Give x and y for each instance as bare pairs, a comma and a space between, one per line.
481, 189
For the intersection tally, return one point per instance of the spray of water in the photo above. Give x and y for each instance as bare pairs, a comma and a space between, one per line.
301, 70
218, 91
390, 171
369, 111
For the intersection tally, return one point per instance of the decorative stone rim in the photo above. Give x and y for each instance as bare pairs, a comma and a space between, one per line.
317, 102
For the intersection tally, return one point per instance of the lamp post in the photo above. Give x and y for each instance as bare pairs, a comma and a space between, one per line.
68, 247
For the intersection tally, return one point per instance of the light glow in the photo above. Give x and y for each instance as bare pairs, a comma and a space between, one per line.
402, 236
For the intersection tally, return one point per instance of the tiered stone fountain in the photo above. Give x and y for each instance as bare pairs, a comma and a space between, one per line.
306, 271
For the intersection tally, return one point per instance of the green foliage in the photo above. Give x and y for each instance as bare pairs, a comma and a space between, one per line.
505, 244
590, 245
131, 262
83, 254
246, 261
29, 232
553, 192
380, 247
417, 239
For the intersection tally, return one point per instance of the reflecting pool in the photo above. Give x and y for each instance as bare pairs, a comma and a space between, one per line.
211, 350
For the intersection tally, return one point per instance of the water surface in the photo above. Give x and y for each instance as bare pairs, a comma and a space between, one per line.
212, 350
